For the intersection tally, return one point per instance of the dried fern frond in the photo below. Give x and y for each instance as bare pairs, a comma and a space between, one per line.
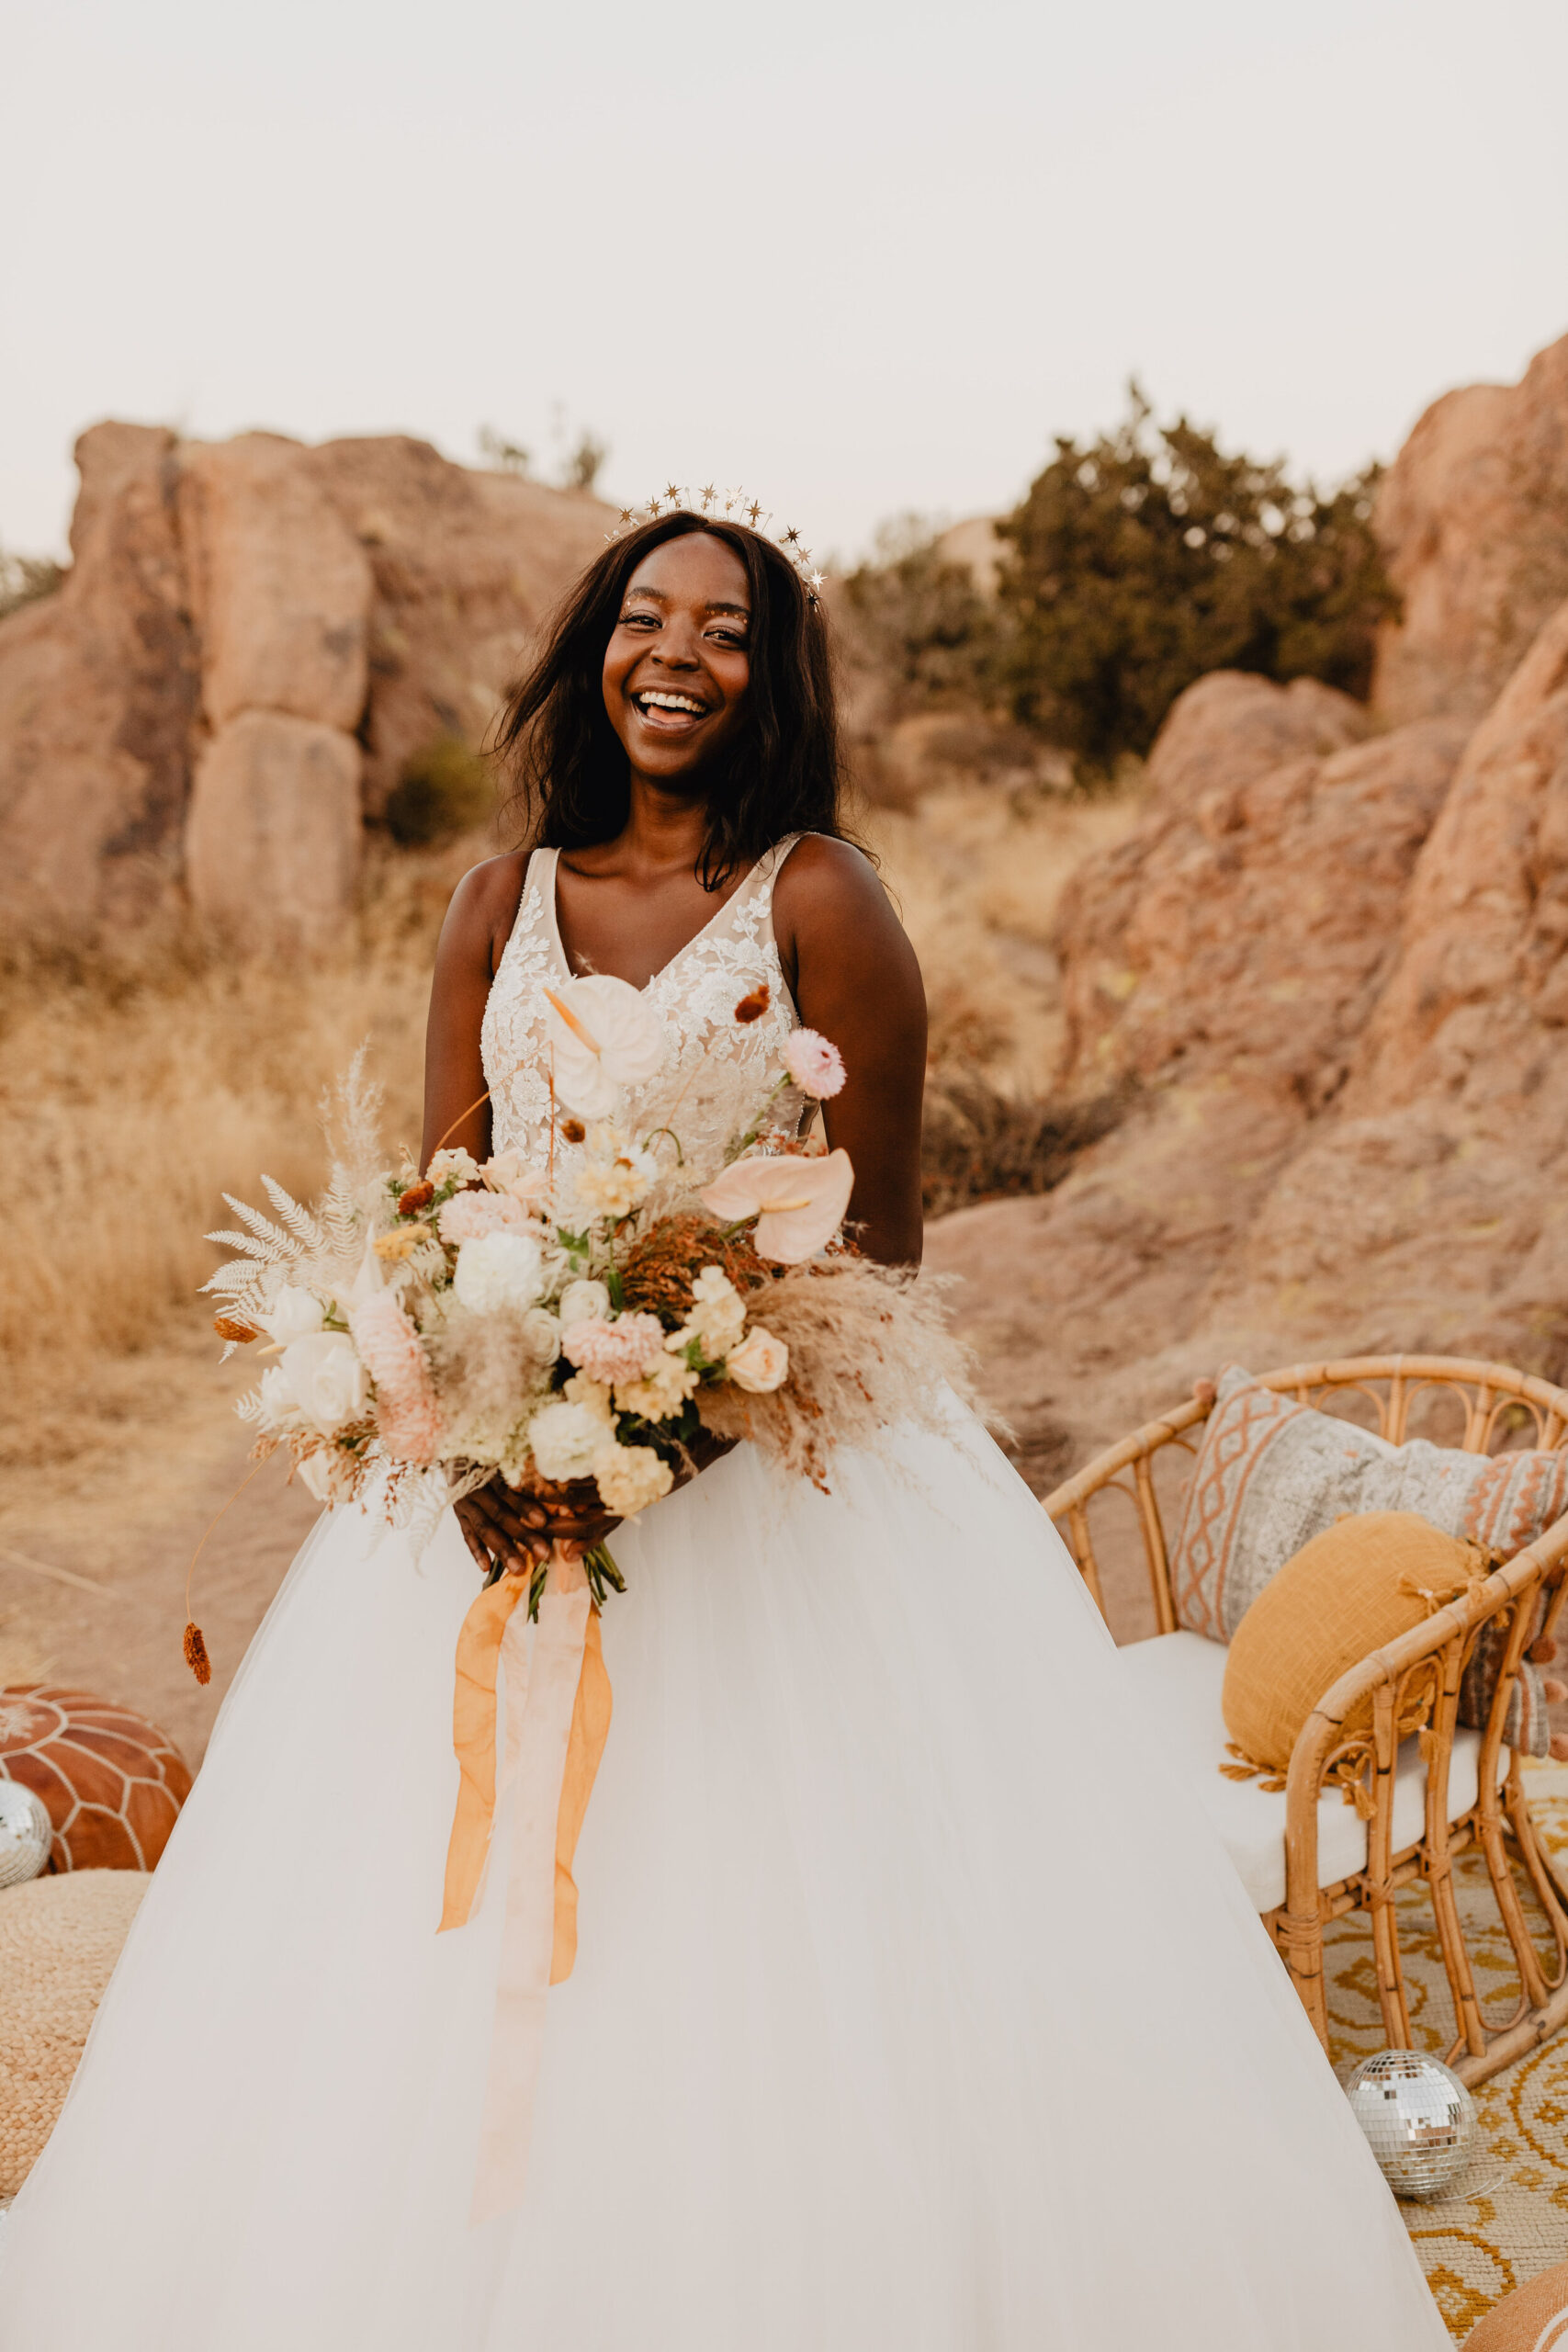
294, 1216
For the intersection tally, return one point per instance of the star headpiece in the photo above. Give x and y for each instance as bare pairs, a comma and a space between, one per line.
728, 505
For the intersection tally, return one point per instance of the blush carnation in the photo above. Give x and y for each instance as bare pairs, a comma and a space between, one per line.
407, 1413
613, 1353
817, 1067
468, 1216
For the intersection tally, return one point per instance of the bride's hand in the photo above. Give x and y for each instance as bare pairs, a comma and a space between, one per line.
517, 1529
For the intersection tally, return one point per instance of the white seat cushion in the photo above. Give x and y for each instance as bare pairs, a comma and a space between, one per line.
1176, 1684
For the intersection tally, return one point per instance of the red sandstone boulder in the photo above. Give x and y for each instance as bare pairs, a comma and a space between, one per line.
1474, 519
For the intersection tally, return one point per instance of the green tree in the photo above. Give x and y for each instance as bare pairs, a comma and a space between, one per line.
1150, 556
919, 619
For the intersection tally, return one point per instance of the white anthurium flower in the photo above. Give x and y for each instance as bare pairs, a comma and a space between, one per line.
585, 1302
293, 1315
603, 1034
326, 1379
799, 1203
498, 1270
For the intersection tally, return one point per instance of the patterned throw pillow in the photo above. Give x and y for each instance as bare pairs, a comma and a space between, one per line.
1271, 1473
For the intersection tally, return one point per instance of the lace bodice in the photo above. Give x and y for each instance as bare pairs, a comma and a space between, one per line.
717, 1071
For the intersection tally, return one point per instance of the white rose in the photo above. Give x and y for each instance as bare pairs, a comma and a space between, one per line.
629, 1477
541, 1333
278, 1409
326, 1379
295, 1313
761, 1363
584, 1302
566, 1439
498, 1270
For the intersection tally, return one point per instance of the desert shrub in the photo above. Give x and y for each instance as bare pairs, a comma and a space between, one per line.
24, 578
916, 619
979, 1143
444, 790
1147, 557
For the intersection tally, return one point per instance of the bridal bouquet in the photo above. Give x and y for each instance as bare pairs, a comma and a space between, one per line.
545, 1326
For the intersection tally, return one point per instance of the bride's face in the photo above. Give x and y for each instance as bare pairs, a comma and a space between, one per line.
678, 665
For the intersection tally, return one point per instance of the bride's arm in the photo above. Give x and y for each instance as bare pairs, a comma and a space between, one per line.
473, 940
855, 978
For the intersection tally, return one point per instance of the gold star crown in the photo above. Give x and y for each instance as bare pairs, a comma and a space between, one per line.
728, 505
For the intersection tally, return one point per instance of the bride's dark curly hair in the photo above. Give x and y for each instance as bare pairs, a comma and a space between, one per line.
783, 775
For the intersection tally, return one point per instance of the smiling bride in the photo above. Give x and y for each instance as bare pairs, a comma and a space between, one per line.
859, 2053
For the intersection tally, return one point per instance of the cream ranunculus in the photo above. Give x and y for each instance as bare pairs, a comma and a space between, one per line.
566, 1439
293, 1315
498, 1270
717, 1315
453, 1166
603, 1034
326, 1379
761, 1363
585, 1302
629, 1477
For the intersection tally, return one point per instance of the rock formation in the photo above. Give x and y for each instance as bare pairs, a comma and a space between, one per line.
1333, 963
254, 639
1474, 519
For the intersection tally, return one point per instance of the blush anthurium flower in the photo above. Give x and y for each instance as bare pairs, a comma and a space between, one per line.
798, 1204
603, 1034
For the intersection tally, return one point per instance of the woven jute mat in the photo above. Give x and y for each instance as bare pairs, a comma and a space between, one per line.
1508, 2217
59, 1937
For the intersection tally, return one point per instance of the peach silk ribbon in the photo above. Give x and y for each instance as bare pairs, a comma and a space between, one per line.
557, 1719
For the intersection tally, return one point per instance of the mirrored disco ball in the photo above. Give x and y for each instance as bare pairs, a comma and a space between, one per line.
1419, 2119
25, 1834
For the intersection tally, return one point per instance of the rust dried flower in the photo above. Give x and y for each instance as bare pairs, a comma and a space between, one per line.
753, 1007
417, 1197
228, 1327
197, 1658
573, 1130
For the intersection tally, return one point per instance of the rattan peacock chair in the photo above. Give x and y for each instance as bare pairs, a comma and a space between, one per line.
1308, 1858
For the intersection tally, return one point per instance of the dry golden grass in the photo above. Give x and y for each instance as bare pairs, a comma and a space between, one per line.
139, 1086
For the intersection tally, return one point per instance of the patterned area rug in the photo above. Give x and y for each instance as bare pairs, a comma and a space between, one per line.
1508, 2217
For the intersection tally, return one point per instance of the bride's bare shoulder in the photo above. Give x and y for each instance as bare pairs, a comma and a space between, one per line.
483, 907
832, 911
830, 878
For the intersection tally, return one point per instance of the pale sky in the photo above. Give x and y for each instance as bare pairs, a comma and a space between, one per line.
862, 257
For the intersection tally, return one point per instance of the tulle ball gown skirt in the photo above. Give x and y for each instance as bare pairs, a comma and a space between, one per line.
914, 2010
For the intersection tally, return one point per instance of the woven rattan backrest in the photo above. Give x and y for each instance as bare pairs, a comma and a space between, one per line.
1501, 1406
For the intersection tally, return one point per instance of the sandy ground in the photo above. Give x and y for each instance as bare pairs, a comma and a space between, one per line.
92, 1575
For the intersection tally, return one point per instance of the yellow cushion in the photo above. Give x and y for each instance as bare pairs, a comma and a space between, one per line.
1362, 1582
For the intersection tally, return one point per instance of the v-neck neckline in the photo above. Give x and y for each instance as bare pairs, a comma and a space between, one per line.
552, 903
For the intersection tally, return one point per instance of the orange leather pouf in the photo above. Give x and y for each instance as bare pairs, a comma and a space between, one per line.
112, 1781
1534, 2318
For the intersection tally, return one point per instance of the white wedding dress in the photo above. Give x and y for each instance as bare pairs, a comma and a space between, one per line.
916, 2009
